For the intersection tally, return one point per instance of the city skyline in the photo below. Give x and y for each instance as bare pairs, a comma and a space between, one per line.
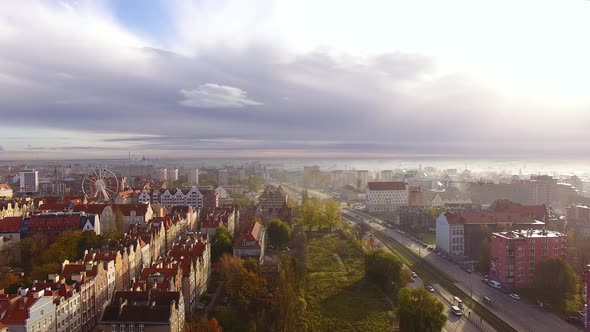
293, 79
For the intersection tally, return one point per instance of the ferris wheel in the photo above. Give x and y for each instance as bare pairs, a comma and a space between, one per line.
100, 184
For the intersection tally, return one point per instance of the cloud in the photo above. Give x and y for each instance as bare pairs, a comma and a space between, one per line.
216, 96
101, 77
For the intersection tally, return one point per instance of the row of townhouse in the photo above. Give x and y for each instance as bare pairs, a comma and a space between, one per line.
227, 216
83, 289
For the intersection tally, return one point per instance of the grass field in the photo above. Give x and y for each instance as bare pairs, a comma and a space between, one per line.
338, 297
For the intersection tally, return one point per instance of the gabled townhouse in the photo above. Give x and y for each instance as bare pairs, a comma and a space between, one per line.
192, 197
219, 217
194, 254
67, 302
109, 257
28, 311
165, 275
251, 243
150, 310
90, 280
109, 270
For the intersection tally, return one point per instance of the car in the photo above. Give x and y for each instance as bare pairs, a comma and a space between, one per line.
514, 296
487, 300
485, 280
457, 311
414, 275
430, 289
495, 284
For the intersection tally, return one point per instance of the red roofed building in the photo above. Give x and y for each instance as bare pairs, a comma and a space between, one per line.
386, 197
67, 304
251, 243
5, 191
150, 311
461, 234
28, 311
90, 280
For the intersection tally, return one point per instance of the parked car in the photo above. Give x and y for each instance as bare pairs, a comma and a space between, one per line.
414, 275
430, 289
514, 296
457, 311
488, 300
458, 302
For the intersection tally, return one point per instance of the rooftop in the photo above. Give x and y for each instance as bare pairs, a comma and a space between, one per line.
393, 185
528, 233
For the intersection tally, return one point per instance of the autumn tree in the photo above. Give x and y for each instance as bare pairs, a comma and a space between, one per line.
384, 269
247, 292
279, 233
555, 281
332, 213
222, 243
419, 310
204, 325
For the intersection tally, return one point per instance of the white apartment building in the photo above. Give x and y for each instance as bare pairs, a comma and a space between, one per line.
193, 177
173, 175
29, 181
385, 197
161, 174
450, 235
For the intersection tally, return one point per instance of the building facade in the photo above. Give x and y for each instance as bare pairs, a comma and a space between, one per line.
251, 243
29, 181
193, 177
386, 197
514, 255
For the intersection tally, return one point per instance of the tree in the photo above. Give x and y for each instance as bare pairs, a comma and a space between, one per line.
418, 310
483, 261
278, 232
361, 229
555, 281
204, 325
384, 269
247, 292
222, 243
332, 212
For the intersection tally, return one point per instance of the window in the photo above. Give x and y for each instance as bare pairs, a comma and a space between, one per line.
114, 328
140, 327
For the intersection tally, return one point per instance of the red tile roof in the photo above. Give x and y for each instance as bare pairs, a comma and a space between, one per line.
251, 235
487, 218
387, 185
5, 186
504, 205
11, 224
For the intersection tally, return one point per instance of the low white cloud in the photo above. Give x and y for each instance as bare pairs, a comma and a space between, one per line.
212, 95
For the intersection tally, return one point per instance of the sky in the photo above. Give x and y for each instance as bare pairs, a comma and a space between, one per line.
292, 79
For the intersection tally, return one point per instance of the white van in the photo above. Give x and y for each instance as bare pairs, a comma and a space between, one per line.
495, 284
456, 311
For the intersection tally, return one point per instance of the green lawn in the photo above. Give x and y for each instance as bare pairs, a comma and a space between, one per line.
338, 297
